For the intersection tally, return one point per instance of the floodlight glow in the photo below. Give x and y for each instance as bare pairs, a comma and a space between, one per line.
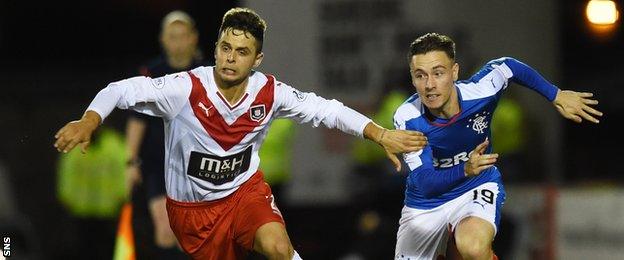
602, 12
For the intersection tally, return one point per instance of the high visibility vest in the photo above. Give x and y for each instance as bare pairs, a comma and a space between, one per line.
507, 127
93, 184
367, 152
276, 151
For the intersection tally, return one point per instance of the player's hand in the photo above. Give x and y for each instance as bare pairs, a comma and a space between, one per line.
401, 141
77, 133
478, 161
576, 106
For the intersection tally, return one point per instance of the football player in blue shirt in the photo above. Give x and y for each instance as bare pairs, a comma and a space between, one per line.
453, 188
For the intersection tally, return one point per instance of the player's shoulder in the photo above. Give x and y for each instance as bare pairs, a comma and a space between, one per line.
410, 109
499, 65
204, 72
259, 75
260, 80
488, 81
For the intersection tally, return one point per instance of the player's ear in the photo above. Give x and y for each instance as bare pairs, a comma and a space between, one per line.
258, 59
455, 71
411, 72
412, 78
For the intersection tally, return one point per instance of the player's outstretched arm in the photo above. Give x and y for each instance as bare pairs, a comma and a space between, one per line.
577, 106
478, 161
395, 141
77, 132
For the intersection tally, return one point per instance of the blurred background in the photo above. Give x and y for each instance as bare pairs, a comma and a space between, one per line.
340, 197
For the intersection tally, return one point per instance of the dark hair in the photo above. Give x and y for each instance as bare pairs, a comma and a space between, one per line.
432, 42
246, 20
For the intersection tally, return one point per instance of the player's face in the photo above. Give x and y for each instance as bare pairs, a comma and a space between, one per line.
433, 75
235, 56
179, 40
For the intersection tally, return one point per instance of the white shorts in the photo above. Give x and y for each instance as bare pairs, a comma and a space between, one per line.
423, 234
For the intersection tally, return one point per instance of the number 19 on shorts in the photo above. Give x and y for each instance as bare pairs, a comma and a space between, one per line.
485, 195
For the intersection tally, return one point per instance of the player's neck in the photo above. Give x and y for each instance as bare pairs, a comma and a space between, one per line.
232, 92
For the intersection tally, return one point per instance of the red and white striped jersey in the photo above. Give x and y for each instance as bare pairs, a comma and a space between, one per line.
211, 146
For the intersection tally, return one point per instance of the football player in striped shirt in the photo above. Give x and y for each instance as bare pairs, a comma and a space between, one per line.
216, 118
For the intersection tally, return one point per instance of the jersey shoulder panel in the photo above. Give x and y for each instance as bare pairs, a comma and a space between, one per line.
203, 72
487, 82
410, 109
258, 80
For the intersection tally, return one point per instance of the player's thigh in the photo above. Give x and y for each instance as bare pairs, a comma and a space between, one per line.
257, 217
163, 234
203, 228
422, 233
476, 220
158, 210
484, 202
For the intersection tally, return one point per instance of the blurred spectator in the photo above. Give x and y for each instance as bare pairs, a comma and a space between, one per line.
276, 155
90, 186
509, 131
378, 189
145, 137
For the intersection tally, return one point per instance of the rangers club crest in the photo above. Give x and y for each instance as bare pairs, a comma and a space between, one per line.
257, 112
479, 122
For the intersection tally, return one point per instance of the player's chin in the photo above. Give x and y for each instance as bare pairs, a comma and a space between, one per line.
432, 105
229, 78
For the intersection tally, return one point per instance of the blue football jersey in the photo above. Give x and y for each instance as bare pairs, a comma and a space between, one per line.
451, 140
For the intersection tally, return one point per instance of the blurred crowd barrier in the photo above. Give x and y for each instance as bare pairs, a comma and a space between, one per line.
565, 223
